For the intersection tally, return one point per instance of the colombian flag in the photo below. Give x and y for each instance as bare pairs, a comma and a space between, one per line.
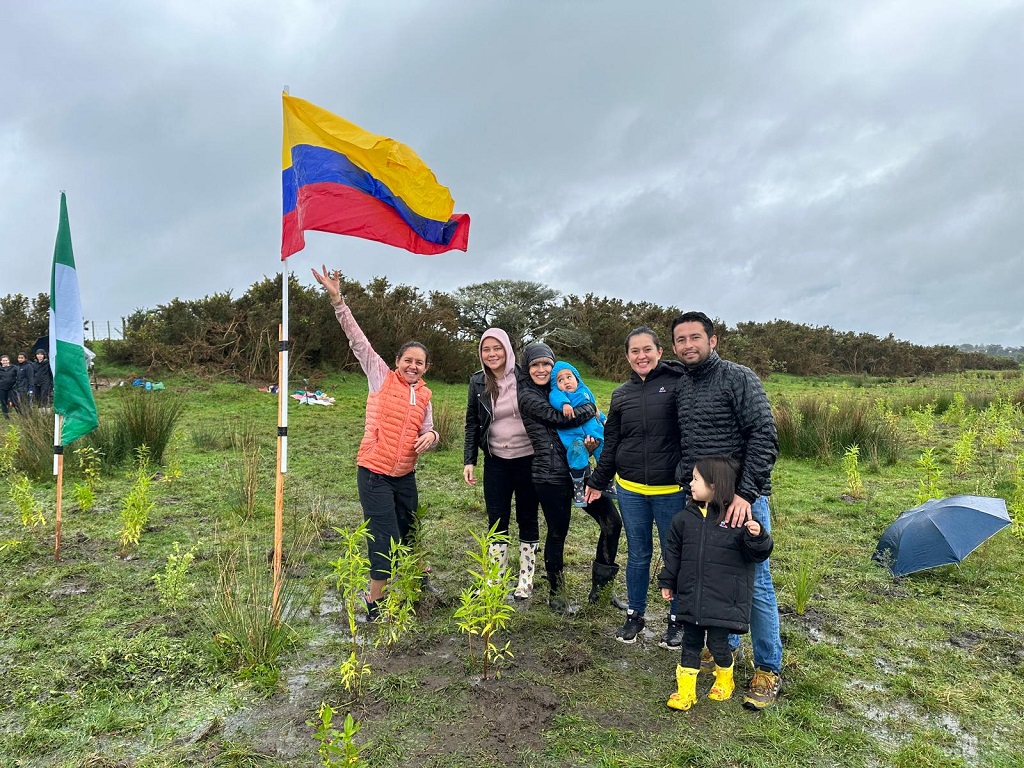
341, 179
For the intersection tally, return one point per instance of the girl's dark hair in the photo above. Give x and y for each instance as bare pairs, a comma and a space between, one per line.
409, 345
721, 473
639, 332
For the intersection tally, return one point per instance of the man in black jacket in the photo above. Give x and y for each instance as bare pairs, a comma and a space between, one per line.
724, 411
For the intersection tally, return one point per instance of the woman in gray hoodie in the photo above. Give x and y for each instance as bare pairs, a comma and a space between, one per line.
494, 425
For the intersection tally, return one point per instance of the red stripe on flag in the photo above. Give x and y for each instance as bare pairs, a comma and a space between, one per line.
342, 210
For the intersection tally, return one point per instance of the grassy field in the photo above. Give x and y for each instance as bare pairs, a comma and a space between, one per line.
95, 671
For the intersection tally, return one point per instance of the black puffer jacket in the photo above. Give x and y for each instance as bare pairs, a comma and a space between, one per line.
724, 411
711, 569
542, 424
641, 436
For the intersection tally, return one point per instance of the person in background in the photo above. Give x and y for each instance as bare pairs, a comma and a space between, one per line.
8, 385
25, 386
495, 426
43, 380
399, 426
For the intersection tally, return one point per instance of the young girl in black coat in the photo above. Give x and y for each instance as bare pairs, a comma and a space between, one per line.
709, 567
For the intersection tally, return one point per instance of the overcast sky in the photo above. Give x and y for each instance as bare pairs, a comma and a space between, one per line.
852, 164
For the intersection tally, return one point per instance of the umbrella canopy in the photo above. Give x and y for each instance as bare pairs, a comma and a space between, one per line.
940, 532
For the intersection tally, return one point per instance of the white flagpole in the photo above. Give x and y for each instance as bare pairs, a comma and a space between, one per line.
58, 470
282, 441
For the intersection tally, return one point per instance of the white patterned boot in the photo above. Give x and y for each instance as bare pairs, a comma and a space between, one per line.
499, 553
527, 565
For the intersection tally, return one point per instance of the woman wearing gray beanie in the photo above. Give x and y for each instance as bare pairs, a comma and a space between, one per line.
551, 479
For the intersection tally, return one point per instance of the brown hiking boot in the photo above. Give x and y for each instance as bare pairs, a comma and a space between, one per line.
764, 689
707, 661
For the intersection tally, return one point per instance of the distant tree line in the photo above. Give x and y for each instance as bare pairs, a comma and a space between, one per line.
22, 321
995, 350
219, 334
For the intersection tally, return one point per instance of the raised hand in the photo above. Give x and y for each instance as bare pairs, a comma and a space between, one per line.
331, 281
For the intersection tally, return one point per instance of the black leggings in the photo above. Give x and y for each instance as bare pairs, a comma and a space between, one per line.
503, 479
556, 501
693, 644
389, 503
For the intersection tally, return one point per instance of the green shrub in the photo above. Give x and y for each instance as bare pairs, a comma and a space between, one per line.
854, 485
8, 451
138, 504
26, 502
172, 586
483, 609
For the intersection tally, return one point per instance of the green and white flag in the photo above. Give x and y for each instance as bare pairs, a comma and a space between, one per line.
72, 395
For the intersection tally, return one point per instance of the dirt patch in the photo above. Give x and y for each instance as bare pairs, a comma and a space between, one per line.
500, 715
1000, 646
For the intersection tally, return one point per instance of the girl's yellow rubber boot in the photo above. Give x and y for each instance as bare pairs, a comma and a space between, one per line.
724, 684
686, 696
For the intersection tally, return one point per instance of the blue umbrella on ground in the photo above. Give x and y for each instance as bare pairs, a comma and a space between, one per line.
939, 532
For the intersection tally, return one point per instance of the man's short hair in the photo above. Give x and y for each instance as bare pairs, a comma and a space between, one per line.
694, 317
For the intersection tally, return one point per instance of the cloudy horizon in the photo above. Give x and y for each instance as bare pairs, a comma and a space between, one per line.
854, 165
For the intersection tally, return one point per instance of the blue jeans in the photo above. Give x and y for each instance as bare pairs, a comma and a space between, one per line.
639, 514
764, 615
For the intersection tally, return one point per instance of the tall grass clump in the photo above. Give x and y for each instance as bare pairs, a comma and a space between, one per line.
34, 447
806, 578
205, 438
141, 418
449, 421
248, 472
822, 428
239, 616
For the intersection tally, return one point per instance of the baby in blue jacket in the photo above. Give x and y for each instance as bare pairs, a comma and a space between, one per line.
570, 391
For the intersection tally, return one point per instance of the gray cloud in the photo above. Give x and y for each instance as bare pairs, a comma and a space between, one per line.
854, 165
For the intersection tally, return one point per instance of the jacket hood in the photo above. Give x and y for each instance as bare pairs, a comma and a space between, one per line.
561, 366
505, 341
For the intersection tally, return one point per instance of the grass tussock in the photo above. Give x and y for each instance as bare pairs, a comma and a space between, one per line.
34, 453
823, 429
140, 418
246, 635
